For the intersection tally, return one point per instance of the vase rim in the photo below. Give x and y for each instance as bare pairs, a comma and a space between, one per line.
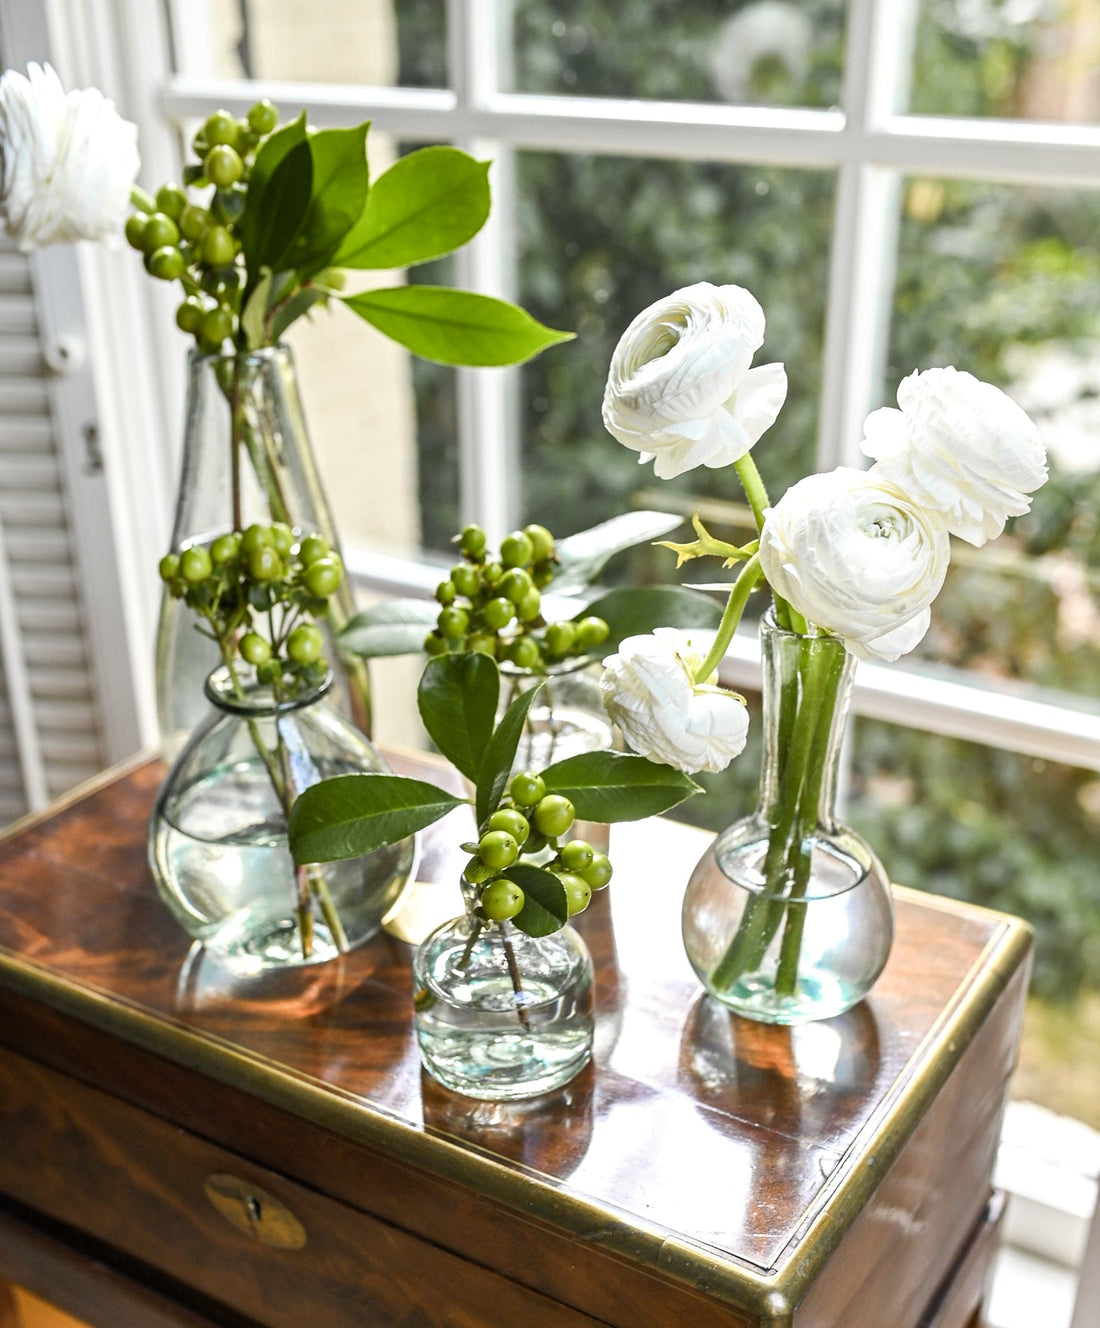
259, 701
280, 350
563, 668
768, 621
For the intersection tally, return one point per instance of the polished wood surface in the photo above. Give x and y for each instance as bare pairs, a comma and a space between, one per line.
710, 1157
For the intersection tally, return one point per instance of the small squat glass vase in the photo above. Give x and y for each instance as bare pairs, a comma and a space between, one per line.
566, 718
218, 842
788, 917
501, 1015
246, 458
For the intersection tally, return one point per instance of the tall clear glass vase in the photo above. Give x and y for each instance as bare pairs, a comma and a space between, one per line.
246, 458
788, 917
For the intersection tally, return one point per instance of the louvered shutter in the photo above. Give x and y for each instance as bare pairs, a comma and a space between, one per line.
50, 737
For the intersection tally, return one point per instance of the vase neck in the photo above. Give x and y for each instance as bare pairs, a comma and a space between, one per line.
807, 685
236, 692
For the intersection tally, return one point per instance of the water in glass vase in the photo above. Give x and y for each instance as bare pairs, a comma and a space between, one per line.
501, 1015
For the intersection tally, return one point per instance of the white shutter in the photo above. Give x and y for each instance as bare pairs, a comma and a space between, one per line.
50, 737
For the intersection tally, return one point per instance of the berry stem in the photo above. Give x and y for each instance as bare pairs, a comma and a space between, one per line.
517, 982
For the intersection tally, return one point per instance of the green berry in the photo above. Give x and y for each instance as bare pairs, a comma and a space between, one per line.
559, 638
282, 538
491, 574
498, 613
313, 548
255, 537
225, 548
195, 564
166, 263
452, 623
322, 578
263, 117
542, 542
598, 872
497, 849
578, 892
189, 315
577, 855
224, 166
135, 230
515, 549
216, 325
524, 653
482, 643
472, 541
305, 643
553, 815
264, 564
516, 585
515, 823
530, 606
254, 648
221, 127
542, 574
434, 645
501, 900
218, 247
169, 567
592, 632
171, 200
193, 222
159, 231
527, 788
269, 671
445, 593
466, 580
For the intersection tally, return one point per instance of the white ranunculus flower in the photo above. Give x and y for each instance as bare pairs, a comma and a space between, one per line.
960, 446
67, 161
649, 690
680, 389
854, 555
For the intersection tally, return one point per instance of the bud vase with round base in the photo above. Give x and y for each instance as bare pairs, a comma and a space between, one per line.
788, 917
501, 1015
246, 458
217, 835
566, 718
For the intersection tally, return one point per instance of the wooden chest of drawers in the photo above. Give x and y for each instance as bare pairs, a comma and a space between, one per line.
178, 1146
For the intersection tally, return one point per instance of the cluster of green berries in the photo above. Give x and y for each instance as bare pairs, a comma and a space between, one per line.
262, 571
494, 605
529, 821
197, 243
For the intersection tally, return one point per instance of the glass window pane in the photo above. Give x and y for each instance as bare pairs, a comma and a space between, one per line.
603, 237
744, 52
1005, 282
1020, 59
1011, 833
376, 43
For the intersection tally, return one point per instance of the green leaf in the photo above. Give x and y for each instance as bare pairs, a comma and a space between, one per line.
635, 610
496, 765
353, 814
427, 204
582, 556
611, 786
254, 317
458, 702
295, 307
454, 327
268, 160
282, 208
545, 907
394, 627
338, 195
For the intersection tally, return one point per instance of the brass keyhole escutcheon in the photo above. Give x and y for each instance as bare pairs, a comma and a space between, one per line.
254, 1211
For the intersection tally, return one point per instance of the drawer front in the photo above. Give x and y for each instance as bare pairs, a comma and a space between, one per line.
182, 1205
960, 1303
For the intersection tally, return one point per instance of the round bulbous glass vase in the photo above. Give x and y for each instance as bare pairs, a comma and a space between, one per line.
789, 917
218, 840
501, 1015
246, 458
566, 718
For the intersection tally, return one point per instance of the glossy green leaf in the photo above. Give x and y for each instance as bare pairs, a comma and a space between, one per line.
458, 704
254, 315
582, 556
613, 786
300, 303
636, 610
269, 158
427, 204
353, 814
454, 327
282, 208
338, 196
501, 752
545, 907
393, 627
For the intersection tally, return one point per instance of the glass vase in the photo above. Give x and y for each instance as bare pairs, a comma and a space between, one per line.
566, 718
217, 835
788, 917
246, 458
501, 1015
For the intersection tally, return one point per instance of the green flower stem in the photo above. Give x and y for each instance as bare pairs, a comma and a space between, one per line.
751, 573
787, 616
